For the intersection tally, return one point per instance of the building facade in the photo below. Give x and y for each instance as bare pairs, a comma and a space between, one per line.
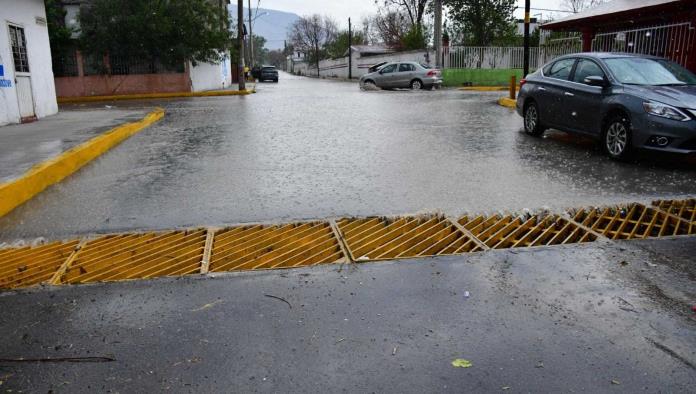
27, 91
665, 28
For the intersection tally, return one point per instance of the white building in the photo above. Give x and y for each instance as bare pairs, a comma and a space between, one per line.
27, 91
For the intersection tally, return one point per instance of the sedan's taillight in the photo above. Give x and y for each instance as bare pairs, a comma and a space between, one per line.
432, 73
522, 82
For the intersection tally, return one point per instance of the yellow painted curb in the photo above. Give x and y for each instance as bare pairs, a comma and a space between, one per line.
486, 88
145, 96
507, 102
52, 171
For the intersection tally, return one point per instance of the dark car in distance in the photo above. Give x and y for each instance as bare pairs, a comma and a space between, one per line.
626, 101
268, 73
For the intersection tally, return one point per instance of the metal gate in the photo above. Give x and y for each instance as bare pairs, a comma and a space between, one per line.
669, 41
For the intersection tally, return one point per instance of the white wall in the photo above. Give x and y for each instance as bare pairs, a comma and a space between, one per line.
210, 76
24, 13
338, 68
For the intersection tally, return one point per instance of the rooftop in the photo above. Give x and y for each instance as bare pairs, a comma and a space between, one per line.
610, 9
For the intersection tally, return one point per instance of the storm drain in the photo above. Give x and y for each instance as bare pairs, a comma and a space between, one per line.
137, 256
391, 238
508, 231
281, 246
27, 266
685, 209
631, 222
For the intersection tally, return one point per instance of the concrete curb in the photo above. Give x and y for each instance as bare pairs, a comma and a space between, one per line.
507, 102
145, 96
52, 171
483, 88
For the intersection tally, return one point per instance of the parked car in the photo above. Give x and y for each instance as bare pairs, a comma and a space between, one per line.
403, 75
376, 67
626, 101
268, 73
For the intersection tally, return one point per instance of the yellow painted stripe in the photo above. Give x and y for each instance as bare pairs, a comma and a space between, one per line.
144, 96
52, 171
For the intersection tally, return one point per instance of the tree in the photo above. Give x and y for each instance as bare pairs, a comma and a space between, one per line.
60, 36
414, 9
310, 34
277, 58
391, 28
580, 5
480, 22
339, 45
169, 32
260, 50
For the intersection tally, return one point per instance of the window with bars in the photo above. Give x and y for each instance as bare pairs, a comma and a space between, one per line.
19, 49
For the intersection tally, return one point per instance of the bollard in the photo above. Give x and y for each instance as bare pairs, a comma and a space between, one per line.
513, 87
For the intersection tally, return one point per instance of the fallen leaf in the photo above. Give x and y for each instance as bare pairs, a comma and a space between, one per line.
207, 306
506, 388
461, 363
614, 381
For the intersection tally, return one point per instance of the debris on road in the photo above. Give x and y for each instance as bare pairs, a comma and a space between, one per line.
58, 360
461, 363
207, 306
279, 298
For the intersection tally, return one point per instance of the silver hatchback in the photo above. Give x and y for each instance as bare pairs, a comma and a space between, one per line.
403, 75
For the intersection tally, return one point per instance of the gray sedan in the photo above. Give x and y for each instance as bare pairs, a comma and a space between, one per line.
403, 75
626, 101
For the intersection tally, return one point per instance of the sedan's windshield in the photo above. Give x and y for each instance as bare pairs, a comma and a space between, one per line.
655, 72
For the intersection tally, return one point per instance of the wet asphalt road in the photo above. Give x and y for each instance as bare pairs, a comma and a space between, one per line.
539, 320
307, 148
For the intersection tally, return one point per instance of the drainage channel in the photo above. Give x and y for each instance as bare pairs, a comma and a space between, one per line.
129, 256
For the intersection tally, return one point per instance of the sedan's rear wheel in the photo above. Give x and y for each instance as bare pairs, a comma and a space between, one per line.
532, 123
416, 84
617, 138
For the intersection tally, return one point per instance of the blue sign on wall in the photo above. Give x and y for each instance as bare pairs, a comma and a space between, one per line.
2, 70
5, 83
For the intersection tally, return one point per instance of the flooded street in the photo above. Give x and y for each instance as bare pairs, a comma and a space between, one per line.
308, 148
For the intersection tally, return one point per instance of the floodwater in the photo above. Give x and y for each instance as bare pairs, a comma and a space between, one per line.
307, 148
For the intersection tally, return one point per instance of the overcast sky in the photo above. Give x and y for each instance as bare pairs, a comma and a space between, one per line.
341, 10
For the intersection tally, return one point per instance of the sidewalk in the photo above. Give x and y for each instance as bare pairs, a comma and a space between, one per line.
23, 146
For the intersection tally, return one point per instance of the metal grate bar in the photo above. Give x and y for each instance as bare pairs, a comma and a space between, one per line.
281, 246
403, 237
685, 209
632, 221
137, 256
27, 266
502, 232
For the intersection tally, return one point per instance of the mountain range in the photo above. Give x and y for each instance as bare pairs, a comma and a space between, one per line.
270, 24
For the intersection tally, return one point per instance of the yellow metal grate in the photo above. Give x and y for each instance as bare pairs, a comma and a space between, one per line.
508, 231
390, 238
631, 221
27, 266
685, 209
137, 256
281, 246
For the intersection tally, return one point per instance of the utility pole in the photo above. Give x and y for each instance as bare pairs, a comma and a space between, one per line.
527, 7
240, 42
251, 39
350, 50
438, 34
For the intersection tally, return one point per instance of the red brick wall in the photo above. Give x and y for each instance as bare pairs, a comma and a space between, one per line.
108, 85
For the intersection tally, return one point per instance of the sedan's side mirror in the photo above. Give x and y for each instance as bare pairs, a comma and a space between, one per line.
596, 80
